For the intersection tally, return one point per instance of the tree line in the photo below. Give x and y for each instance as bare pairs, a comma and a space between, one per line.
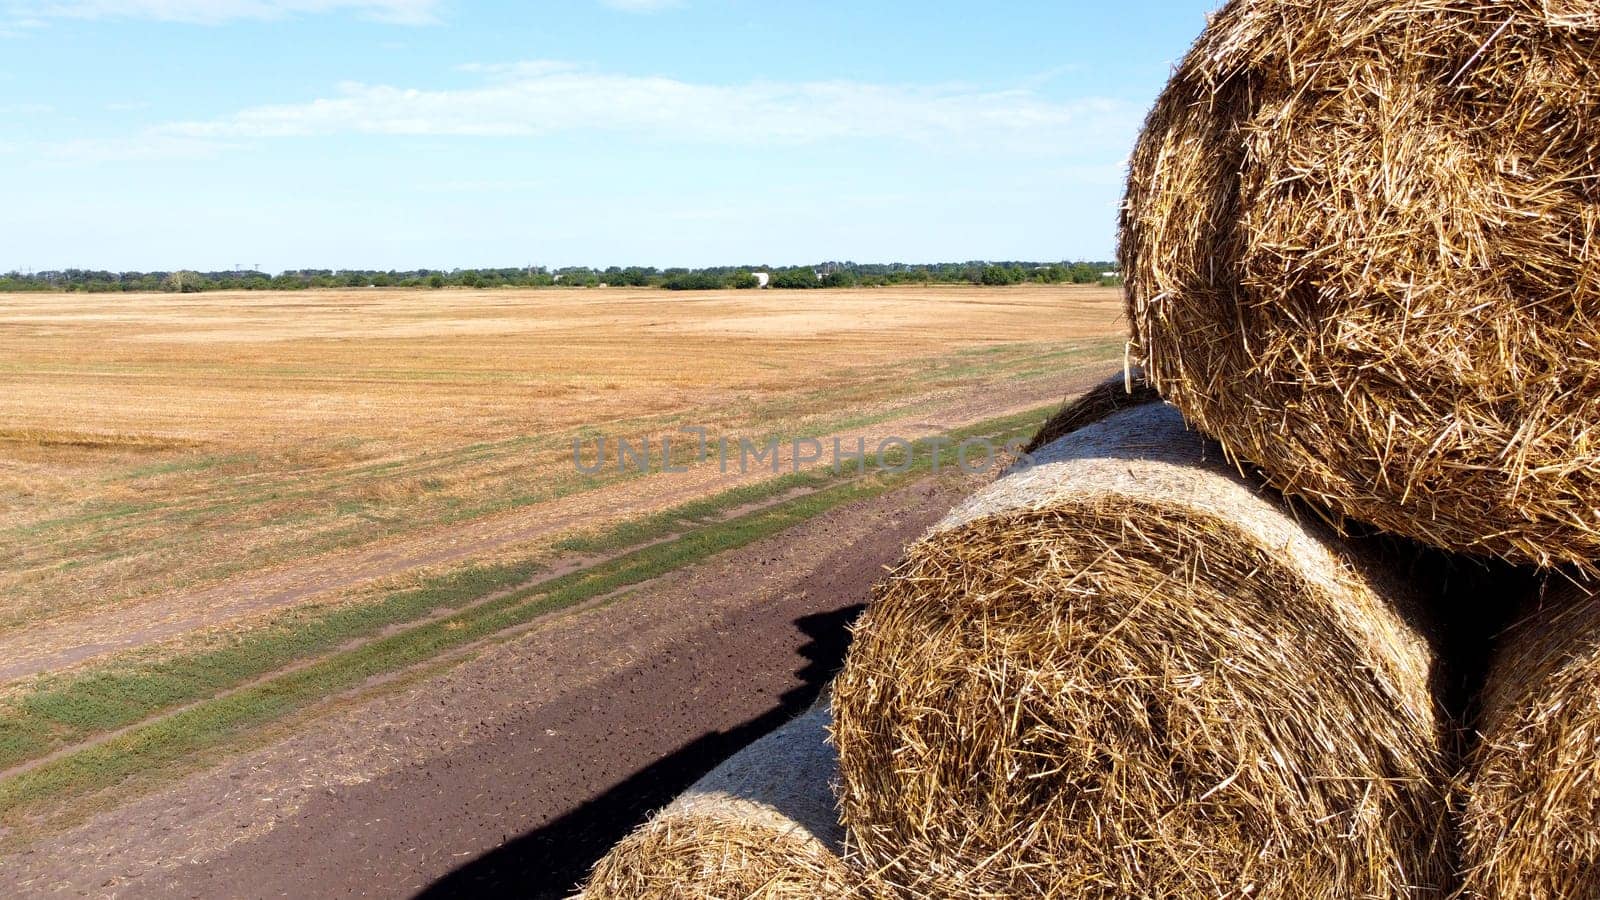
821, 275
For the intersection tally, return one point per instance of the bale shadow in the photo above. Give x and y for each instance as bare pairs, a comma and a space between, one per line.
549, 861
1468, 601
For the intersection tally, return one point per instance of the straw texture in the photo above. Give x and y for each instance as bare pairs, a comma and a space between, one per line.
1125, 671
1530, 820
1360, 248
763, 826
1119, 391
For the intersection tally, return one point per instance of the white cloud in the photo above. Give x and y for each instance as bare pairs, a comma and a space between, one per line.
212, 12
14, 25
484, 185
641, 5
530, 68
149, 147
540, 98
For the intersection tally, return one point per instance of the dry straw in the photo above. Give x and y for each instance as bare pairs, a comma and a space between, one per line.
762, 826
1530, 821
1119, 391
1127, 672
1360, 241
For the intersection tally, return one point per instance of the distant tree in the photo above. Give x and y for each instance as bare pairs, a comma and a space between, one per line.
694, 281
577, 276
798, 277
1000, 275
834, 273
584, 278
183, 282
633, 276
744, 280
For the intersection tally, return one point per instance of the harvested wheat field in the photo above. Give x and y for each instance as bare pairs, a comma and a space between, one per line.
1360, 239
161, 446
1126, 671
228, 519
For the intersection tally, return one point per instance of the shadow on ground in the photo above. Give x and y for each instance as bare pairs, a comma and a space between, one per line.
549, 861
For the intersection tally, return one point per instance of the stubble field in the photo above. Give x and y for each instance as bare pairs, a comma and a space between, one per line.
219, 510
158, 443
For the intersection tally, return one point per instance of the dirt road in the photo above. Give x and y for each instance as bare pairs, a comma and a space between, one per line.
509, 774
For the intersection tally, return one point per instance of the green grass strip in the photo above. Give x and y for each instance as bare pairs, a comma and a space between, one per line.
59, 711
63, 710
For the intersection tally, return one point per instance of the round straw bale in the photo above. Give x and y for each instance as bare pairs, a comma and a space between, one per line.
1118, 391
763, 825
1361, 241
1126, 671
1530, 808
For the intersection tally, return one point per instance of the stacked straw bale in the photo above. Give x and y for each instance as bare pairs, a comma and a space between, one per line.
1120, 391
1362, 247
1530, 809
764, 825
1128, 672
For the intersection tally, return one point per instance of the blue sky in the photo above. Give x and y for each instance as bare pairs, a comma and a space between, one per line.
157, 134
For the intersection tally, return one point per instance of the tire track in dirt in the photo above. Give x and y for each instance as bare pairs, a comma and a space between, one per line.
64, 643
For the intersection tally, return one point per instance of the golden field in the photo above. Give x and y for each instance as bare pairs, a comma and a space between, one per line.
170, 446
